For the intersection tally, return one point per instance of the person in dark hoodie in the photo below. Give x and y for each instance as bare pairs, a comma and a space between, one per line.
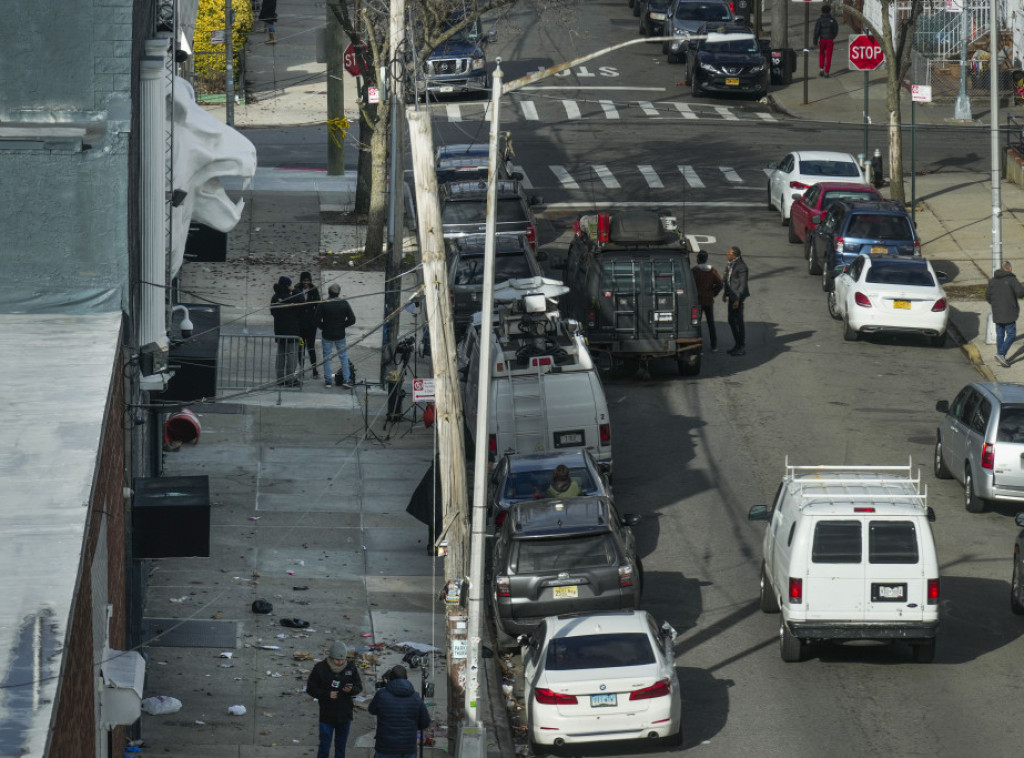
709, 284
826, 29
1002, 293
309, 312
286, 329
334, 681
400, 715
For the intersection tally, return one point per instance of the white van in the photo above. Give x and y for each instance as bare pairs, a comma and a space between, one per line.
849, 555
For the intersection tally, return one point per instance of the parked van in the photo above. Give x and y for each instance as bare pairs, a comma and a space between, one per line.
849, 555
545, 392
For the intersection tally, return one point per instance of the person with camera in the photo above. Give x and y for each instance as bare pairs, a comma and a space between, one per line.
334, 681
400, 714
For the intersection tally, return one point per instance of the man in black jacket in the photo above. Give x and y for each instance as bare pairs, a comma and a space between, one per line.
334, 681
400, 715
736, 292
1003, 292
826, 29
286, 329
335, 316
309, 313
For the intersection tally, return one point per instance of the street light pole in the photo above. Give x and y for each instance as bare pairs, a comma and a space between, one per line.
993, 70
962, 109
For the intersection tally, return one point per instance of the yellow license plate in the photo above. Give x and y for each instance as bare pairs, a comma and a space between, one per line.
566, 592
905, 304
879, 251
732, 82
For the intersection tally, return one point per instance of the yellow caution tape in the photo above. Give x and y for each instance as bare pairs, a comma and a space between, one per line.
336, 125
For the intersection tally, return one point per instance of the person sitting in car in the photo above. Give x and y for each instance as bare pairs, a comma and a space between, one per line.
562, 484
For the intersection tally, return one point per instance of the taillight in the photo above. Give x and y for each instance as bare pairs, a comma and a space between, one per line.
917, 247
840, 244
796, 590
662, 688
499, 520
861, 299
550, 697
988, 455
576, 227
501, 583
531, 235
933, 592
694, 314
606, 434
625, 575
798, 185
603, 235
732, 7
940, 305
591, 318
492, 447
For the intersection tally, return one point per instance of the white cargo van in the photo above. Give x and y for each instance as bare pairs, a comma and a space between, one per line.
849, 555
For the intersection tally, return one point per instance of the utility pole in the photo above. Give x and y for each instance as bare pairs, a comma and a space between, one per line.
335, 88
229, 65
394, 78
447, 402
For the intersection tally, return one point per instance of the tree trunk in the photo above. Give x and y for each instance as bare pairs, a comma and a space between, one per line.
377, 208
364, 180
896, 189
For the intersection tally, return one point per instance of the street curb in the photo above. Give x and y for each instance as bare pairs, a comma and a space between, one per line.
971, 352
778, 107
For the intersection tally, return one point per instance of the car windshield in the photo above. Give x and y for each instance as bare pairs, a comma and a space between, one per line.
740, 46
596, 651
461, 173
470, 269
879, 227
1011, 424
475, 212
828, 168
566, 553
523, 485
833, 195
702, 12
883, 272
470, 33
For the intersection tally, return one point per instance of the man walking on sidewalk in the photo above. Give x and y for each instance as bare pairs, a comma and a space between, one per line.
736, 292
1002, 293
825, 32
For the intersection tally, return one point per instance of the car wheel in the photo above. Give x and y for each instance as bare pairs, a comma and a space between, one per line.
849, 333
792, 232
939, 340
689, 363
687, 79
1015, 589
924, 652
938, 465
769, 603
631, 3
505, 643
972, 502
827, 283
783, 218
770, 206
812, 264
833, 306
790, 647
643, 26
695, 87
671, 57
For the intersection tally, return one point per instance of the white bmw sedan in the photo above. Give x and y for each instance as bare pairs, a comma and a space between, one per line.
601, 677
890, 294
789, 178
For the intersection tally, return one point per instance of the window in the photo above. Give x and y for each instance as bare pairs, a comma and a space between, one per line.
599, 651
892, 542
836, 542
1011, 424
883, 272
979, 417
833, 195
956, 409
530, 484
566, 553
829, 168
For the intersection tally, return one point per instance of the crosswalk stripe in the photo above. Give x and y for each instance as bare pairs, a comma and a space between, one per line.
648, 173
766, 116
608, 106
454, 114
649, 110
730, 174
607, 177
685, 110
529, 110
564, 177
525, 181
691, 177
726, 112
572, 109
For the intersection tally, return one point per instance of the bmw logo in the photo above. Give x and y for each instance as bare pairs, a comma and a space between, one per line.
603, 687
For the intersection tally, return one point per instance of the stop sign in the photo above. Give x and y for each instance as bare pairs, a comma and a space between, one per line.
865, 53
353, 61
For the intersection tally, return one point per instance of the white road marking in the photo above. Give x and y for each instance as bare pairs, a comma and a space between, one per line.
648, 173
685, 110
607, 177
766, 116
730, 174
572, 109
691, 177
726, 112
525, 181
529, 110
454, 114
608, 106
649, 110
564, 177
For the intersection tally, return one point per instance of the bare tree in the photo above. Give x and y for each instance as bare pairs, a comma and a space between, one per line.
896, 46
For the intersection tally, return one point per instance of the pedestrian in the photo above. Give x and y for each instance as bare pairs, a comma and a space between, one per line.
562, 483
334, 317
736, 292
709, 284
286, 329
309, 311
400, 715
268, 15
826, 29
1002, 293
334, 681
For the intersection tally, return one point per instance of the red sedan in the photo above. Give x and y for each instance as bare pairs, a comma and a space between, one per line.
810, 208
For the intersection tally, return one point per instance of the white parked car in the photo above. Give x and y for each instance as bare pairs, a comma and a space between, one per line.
790, 177
601, 677
890, 294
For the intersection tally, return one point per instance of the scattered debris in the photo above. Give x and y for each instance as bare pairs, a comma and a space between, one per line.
160, 705
269, 647
181, 599
226, 654
295, 623
302, 655
236, 710
261, 606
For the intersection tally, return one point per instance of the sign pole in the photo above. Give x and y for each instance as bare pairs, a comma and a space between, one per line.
807, 44
867, 118
913, 161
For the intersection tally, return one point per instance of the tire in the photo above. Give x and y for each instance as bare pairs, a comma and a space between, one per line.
671, 57
972, 502
938, 466
505, 643
849, 333
924, 652
827, 285
833, 306
769, 603
687, 79
792, 233
813, 269
689, 363
938, 341
1015, 589
790, 647
695, 87
643, 26
783, 220
770, 206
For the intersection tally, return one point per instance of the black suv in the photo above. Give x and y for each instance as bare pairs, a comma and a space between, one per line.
632, 289
728, 58
465, 161
464, 209
858, 227
557, 556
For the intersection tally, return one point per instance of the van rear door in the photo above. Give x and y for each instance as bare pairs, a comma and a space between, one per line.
1008, 467
639, 300
896, 586
833, 586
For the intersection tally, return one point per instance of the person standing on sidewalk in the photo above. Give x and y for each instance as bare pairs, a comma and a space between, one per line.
709, 284
335, 317
736, 292
1002, 293
826, 29
268, 15
334, 681
309, 312
286, 329
400, 715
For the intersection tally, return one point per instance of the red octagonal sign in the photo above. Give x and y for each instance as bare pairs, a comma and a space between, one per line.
865, 53
355, 62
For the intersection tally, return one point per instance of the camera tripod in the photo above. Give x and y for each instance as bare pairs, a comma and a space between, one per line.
405, 352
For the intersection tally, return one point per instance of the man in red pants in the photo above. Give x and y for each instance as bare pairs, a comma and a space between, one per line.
825, 32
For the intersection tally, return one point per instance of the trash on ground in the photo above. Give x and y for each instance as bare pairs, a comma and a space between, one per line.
270, 647
226, 654
161, 704
294, 623
236, 710
181, 599
301, 587
261, 606
302, 655
419, 647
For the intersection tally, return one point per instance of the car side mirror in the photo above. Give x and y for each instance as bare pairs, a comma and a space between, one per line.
942, 406
630, 519
757, 513
517, 175
492, 35
942, 276
773, 164
929, 513
1019, 518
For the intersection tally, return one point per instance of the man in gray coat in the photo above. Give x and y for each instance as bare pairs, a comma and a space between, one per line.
736, 291
1002, 294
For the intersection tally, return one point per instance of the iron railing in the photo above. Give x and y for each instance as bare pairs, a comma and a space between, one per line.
248, 361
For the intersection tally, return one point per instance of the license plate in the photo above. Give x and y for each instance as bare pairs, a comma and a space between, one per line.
732, 82
888, 593
662, 317
446, 88
569, 439
905, 304
879, 251
604, 701
566, 592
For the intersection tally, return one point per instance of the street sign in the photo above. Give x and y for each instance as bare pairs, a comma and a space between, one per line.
865, 53
920, 93
954, 6
354, 63
423, 390
372, 95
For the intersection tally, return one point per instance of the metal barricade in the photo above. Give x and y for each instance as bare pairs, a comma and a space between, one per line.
249, 361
